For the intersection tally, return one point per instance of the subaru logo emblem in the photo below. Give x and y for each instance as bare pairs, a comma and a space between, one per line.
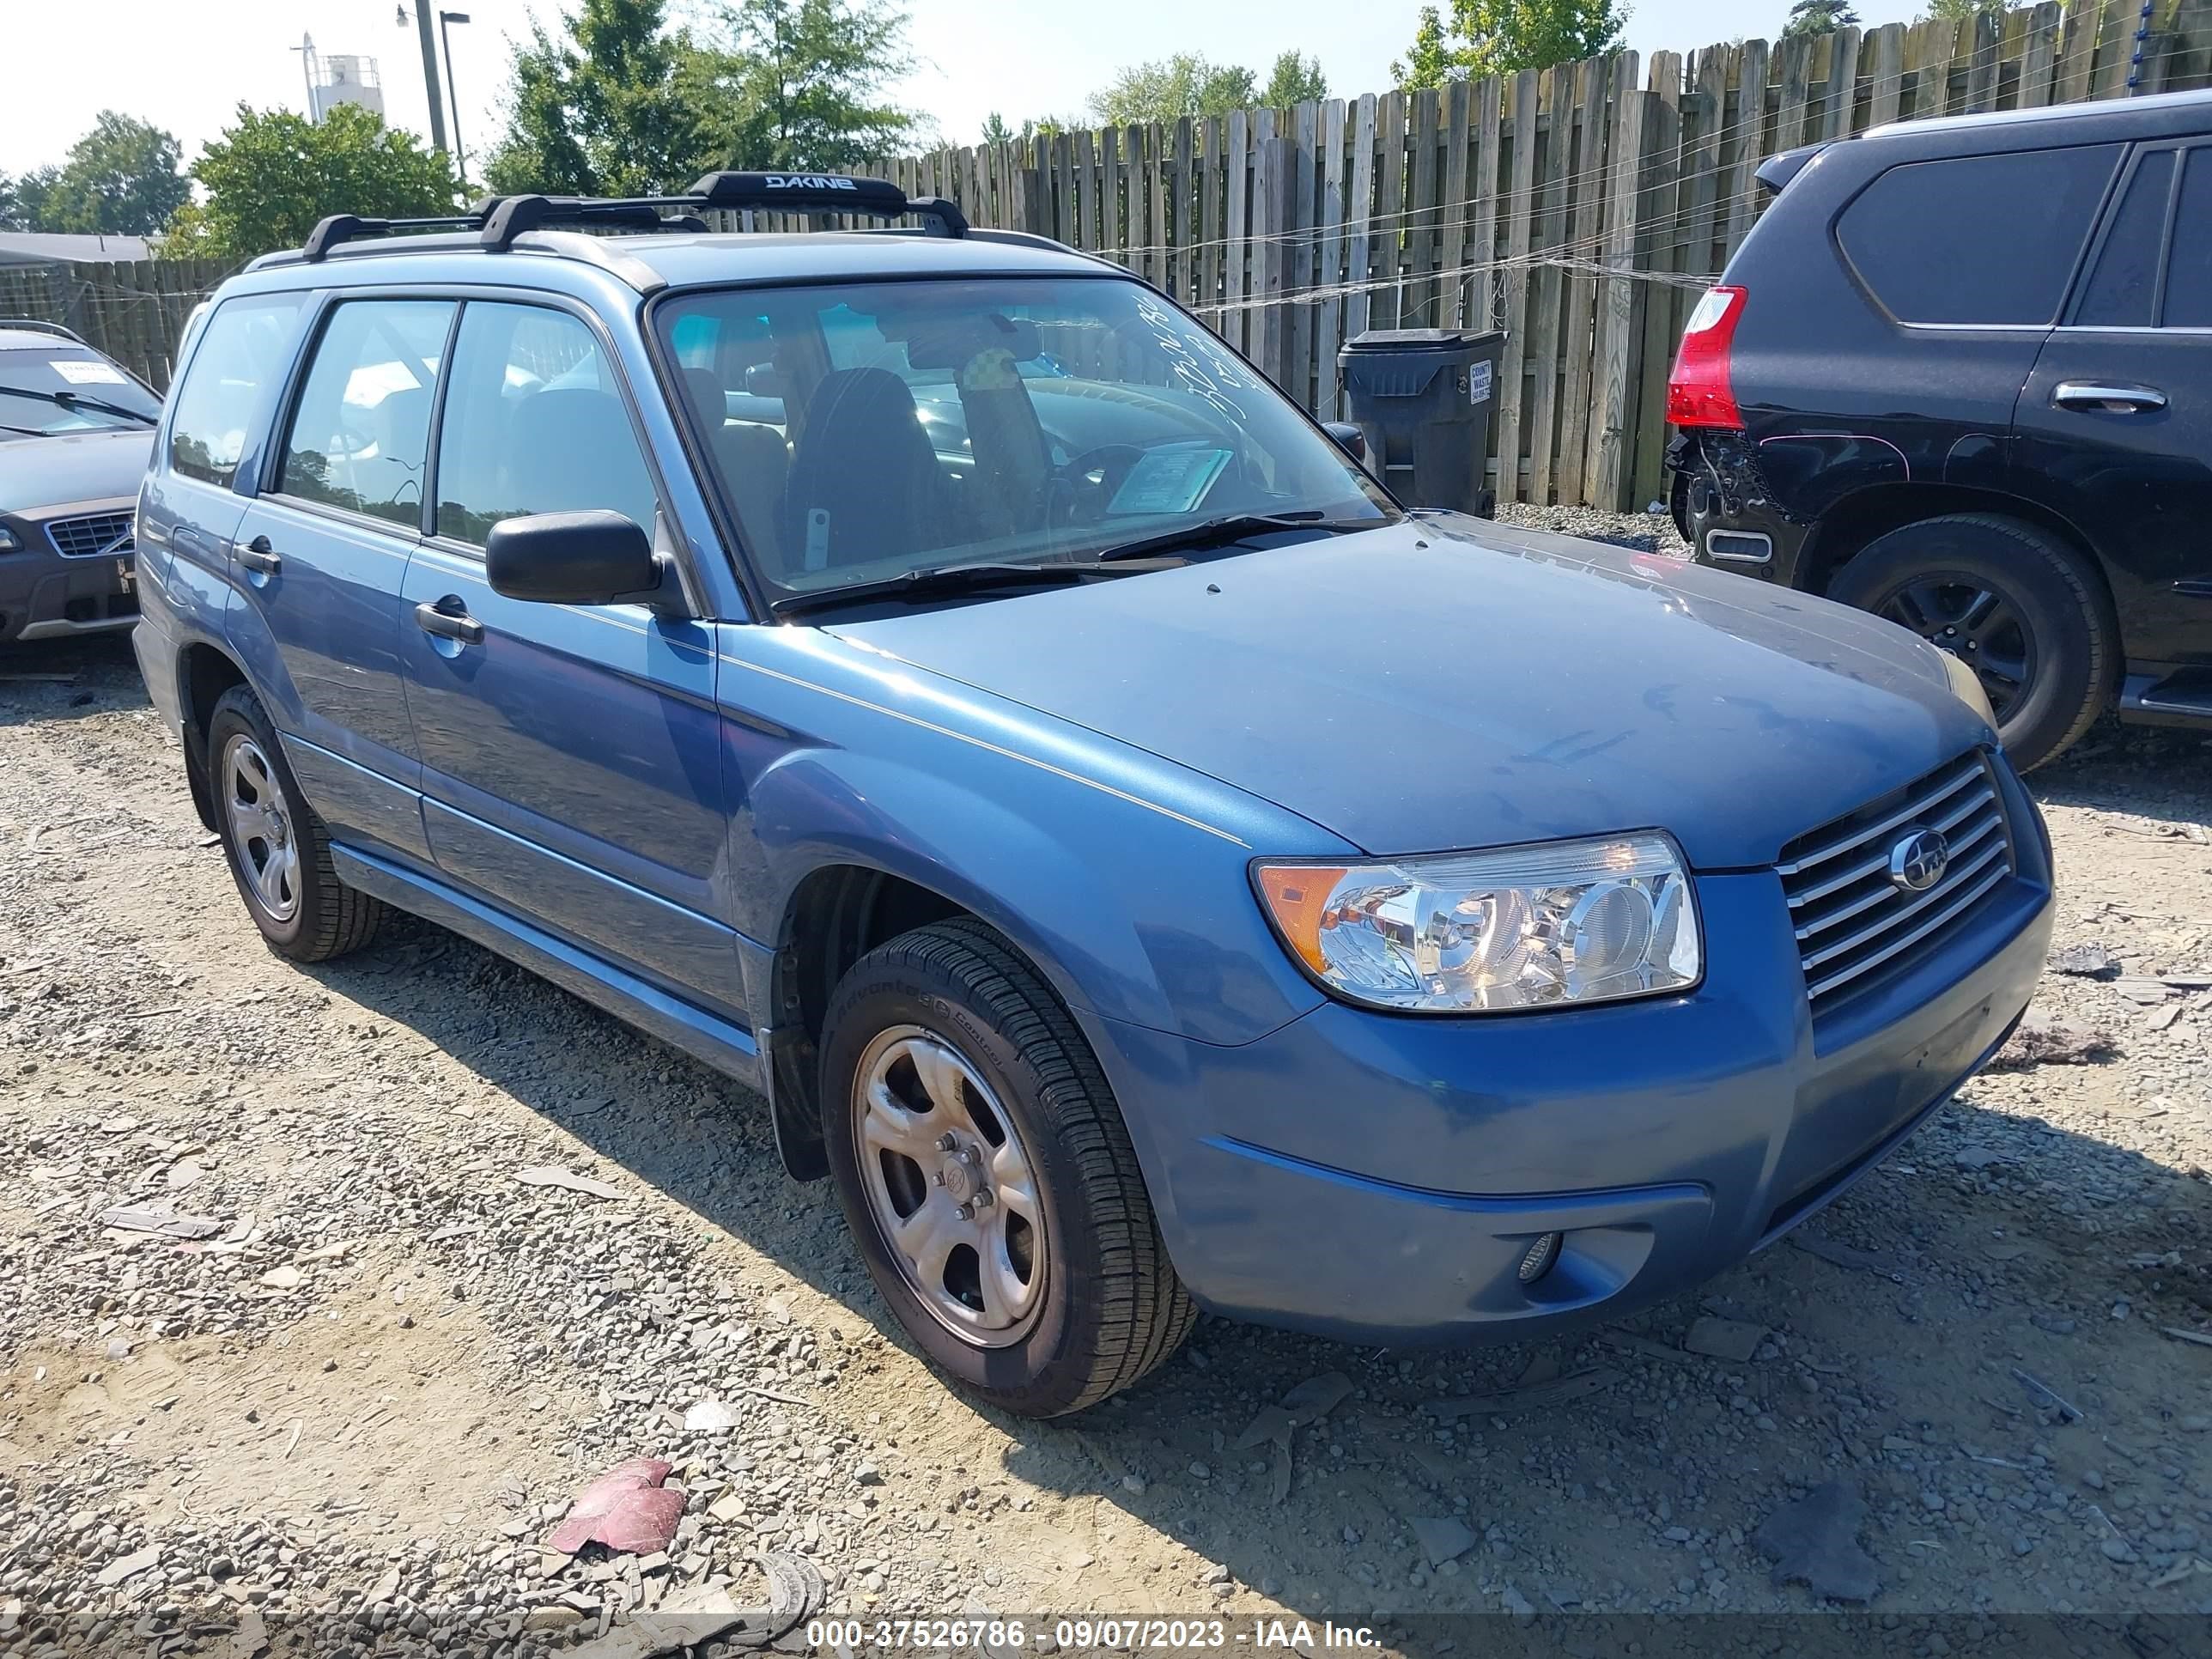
1918, 862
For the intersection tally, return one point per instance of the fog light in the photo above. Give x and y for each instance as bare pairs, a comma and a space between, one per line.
1542, 1254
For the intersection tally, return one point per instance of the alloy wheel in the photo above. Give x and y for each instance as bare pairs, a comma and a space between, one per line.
261, 832
950, 1187
1976, 622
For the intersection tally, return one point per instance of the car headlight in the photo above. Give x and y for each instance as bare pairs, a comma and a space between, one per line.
1966, 686
1544, 926
8, 542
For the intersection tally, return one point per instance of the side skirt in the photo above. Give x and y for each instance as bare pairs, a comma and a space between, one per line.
728, 1047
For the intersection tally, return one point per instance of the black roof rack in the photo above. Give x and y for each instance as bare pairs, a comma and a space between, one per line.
39, 325
498, 219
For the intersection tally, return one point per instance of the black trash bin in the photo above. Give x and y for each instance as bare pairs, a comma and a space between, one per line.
1422, 400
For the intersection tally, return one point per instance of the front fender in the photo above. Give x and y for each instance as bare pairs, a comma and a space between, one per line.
1123, 878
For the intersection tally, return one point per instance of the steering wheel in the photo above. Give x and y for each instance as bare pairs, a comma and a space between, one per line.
1080, 487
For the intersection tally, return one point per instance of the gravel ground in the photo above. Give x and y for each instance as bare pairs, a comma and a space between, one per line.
354, 1406
1648, 532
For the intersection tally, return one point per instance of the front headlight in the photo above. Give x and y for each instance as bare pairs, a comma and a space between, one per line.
1558, 923
1966, 686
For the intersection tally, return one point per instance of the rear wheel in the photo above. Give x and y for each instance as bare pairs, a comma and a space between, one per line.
987, 1177
278, 851
2012, 602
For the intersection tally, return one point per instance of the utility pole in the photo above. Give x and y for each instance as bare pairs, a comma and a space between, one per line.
430, 75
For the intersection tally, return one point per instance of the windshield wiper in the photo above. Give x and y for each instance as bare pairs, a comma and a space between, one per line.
932, 581
72, 400
1227, 530
27, 431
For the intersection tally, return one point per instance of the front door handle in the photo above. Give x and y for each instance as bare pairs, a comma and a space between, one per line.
257, 556
449, 620
2103, 396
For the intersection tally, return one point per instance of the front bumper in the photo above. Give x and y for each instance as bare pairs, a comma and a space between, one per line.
45, 594
1379, 1179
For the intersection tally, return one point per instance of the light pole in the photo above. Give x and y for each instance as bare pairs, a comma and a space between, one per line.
429, 70
452, 98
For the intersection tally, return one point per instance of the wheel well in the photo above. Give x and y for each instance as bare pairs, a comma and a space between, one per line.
204, 675
1845, 530
839, 913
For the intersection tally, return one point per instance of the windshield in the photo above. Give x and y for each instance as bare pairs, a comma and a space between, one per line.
29, 381
863, 431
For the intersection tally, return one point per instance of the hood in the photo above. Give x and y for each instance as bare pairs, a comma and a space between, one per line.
1447, 683
67, 468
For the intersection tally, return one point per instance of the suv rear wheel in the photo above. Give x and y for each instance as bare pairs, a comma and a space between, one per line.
278, 851
2011, 601
988, 1178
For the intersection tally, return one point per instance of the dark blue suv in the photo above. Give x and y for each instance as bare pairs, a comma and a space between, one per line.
928, 676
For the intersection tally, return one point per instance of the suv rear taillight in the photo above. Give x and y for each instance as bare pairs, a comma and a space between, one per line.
1698, 392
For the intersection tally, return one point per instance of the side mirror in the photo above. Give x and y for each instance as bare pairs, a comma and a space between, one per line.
764, 380
1349, 438
593, 557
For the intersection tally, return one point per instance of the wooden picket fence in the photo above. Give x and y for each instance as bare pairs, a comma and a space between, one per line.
133, 310
1581, 208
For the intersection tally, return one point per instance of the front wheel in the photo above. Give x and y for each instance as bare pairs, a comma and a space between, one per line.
2012, 602
987, 1177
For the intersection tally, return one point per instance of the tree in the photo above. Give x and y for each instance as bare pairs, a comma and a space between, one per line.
1171, 87
1963, 11
120, 178
805, 80
1819, 17
618, 105
272, 174
1294, 81
1501, 37
23, 199
996, 132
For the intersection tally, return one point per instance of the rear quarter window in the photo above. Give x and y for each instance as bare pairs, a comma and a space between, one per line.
1976, 239
244, 350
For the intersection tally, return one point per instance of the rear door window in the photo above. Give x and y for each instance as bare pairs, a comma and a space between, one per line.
2123, 285
1989, 239
242, 352
359, 437
534, 422
2188, 267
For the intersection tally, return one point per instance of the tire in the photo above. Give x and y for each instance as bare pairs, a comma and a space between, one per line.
2020, 606
281, 860
1100, 1304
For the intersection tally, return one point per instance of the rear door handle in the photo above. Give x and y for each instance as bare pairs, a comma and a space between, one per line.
449, 624
257, 556
2103, 396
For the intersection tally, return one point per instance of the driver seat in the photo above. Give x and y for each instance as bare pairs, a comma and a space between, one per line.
865, 484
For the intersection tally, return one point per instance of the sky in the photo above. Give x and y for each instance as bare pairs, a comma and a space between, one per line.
185, 67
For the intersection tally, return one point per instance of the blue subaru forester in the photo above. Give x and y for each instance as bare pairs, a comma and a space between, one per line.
928, 677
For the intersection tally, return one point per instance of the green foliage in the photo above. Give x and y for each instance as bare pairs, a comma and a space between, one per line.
1294, 79
805, 81
272, 174
1171, 87
618, 105
996, 132
1964, 11
120, 178
1482, 38
1819, 17
623, 105
22, 199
